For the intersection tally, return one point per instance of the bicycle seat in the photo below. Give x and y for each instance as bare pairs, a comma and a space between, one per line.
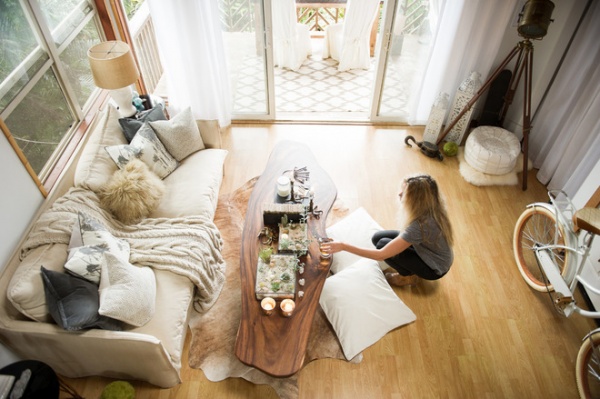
588, 219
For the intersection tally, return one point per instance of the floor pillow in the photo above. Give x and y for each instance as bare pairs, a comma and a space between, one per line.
356, 229
362, 307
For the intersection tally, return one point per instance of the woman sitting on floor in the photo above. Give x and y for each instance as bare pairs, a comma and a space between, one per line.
424, 248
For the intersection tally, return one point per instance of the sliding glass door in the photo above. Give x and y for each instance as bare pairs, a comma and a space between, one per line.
405, 43
249, 57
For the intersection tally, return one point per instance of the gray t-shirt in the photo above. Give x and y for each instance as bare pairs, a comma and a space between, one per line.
430, 244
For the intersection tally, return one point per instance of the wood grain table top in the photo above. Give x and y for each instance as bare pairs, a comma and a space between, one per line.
277, 344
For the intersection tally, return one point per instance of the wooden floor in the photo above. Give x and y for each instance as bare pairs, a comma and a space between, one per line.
480, 331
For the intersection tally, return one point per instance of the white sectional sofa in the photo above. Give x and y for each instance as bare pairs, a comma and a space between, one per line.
153, 351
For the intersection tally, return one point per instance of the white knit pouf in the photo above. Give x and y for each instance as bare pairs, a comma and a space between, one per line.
492, 150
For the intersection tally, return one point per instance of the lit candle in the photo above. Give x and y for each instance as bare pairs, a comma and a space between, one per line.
267, 305
287, 307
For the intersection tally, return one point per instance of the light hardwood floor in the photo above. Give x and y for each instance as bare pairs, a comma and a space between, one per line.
480, 331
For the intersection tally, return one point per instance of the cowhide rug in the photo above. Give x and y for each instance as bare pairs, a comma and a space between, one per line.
214, 333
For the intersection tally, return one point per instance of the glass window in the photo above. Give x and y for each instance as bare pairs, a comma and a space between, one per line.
40, 120
45, 82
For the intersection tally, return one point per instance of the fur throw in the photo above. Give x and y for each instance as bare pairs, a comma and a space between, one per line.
132, 193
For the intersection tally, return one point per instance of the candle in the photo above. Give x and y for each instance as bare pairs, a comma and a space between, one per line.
287, 307
267, 305
283, 186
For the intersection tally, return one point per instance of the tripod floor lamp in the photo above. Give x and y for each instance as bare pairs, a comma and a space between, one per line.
533, 24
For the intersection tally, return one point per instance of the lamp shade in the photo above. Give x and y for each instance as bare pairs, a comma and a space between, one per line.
112, 65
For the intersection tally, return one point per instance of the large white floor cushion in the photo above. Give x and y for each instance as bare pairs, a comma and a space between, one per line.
362, 307
356, 229
492, 150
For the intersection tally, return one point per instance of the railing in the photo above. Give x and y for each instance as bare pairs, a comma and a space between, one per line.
317, 15
415, 12
142, 32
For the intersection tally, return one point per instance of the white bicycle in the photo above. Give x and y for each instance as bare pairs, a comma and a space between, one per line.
551, 243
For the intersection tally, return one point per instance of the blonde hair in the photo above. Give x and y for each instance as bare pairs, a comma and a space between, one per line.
422, 200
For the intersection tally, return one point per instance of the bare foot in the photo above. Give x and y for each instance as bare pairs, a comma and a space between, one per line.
396, 279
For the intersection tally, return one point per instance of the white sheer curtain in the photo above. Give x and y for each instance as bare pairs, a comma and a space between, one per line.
348, 42
192, 53
291, 40
565, 138
467, 38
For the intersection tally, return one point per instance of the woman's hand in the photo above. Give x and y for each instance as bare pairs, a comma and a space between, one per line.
332, 246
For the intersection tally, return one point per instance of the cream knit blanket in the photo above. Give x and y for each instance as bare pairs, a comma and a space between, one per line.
189, 246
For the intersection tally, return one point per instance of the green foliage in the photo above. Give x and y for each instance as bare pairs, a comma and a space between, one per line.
131, 6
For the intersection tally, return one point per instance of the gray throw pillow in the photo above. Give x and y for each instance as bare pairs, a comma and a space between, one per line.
73, 302
132, 124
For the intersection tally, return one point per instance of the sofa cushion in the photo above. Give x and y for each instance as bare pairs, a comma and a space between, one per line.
355, 229
362, 307
180, 135
132, 192
174, 298
26, 289
95, 167
147, 147
73, 302
132, 124
127, 292
194, 188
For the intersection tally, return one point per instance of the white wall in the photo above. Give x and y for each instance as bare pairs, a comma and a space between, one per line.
19, 202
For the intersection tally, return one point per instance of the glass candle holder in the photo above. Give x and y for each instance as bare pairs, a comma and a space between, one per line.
267, 305
284, 186
324, 254
287, 307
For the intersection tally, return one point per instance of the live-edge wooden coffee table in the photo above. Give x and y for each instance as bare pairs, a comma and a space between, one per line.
276, 344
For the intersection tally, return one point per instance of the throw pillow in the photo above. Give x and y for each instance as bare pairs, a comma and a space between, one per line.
356, 229
147, 147
86, 261
127, 292
362, 307
180, 135
131, 125
132, 193
73, 302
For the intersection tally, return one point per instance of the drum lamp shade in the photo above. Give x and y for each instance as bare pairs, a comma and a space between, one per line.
112, 65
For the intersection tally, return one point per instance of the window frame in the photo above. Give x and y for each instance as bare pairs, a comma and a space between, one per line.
82, 116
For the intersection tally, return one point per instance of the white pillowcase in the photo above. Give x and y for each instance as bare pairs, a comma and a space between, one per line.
355, 229
127, 292
86, 260
147, 147
362, 307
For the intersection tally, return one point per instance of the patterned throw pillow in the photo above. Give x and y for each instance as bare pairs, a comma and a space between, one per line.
147, 147
127, 292
180, 135
86, 261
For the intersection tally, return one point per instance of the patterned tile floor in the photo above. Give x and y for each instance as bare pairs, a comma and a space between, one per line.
317, 88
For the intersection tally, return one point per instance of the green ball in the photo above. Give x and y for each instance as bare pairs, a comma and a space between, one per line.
118, 390
450, 149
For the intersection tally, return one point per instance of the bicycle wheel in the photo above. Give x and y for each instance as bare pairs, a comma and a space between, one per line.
587, 368
537, 226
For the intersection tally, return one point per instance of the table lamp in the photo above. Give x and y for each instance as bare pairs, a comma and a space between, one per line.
114, 69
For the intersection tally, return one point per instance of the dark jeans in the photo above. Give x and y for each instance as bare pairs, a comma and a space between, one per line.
406, 262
